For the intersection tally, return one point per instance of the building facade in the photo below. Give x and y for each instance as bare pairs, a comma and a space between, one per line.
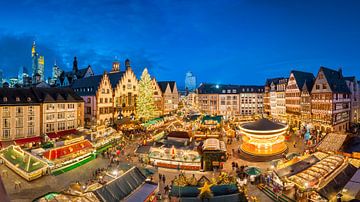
31, 112
330, 101
293, 93
170, 96
230, 100
353, 86
108, 96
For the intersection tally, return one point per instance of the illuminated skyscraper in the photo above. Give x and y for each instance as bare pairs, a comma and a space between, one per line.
190, 81
37, 65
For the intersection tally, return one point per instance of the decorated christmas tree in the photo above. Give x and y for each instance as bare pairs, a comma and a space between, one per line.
145, 106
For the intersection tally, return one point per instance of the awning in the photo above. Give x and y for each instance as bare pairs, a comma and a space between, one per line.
27, 140
142, 193
61, 133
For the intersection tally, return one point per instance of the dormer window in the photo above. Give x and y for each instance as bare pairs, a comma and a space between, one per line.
5, 99
17, 99
28, 99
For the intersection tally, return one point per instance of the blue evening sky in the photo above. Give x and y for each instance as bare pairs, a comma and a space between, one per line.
239, 42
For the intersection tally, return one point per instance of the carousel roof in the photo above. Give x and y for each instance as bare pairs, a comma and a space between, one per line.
263, 124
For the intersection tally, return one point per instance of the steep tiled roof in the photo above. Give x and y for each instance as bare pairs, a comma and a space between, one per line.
308, 85
336, 80
275, 80
163, 85
301, 77
8, 96
350, 78
56, 95
28, 96
87, 86
115, 77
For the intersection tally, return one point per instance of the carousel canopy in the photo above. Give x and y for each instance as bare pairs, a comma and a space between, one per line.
263, 124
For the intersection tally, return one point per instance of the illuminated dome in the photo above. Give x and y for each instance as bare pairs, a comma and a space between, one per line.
263, 138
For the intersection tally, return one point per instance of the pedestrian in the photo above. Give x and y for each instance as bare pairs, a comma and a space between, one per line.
233, 165
160, 177
294, 144
163, 179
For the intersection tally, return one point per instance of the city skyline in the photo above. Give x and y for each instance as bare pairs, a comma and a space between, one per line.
227, 37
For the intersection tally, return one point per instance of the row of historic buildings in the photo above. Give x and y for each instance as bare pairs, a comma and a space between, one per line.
28, 113
329, 101
113, 94
230, 100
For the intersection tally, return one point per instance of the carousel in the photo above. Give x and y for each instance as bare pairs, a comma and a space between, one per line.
263, 138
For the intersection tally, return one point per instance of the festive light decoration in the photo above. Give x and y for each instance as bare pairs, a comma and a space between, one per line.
145, 106
205, 191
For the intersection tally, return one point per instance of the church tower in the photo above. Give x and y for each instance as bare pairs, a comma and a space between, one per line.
115, 66
75, 65
127, 64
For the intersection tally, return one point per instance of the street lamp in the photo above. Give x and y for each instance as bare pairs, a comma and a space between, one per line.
306, 185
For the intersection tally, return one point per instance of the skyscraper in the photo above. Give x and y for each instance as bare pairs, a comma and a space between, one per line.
37, 65
56, 73
23, 73
1, 78
190, 81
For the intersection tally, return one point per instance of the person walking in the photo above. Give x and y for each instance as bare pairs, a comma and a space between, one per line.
163, 179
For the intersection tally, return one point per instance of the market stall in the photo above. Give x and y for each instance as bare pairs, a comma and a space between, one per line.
213, 154
23, 163
70, 156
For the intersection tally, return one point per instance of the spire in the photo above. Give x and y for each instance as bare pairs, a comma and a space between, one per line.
127, 63
75, 65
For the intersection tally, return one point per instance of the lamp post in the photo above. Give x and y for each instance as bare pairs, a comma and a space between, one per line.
306, 185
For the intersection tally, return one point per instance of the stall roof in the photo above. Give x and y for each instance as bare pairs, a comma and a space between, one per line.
338, 183
353, 186
144, 149
179, 134
142, 193
122, 186
297, 167
263, 125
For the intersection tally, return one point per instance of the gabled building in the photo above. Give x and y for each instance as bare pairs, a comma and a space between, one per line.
108, 96
125, 86
170, 96
280, 111
267, 97
330, 101
97, 93
353, 86
305, 102
158, 101
297, 81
